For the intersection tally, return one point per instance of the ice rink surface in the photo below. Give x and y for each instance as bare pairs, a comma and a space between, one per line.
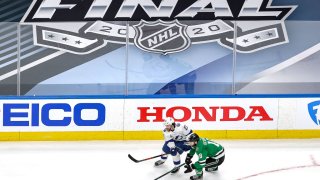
106, 160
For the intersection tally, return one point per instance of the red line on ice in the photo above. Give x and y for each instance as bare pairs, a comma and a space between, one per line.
314, 162
278, 170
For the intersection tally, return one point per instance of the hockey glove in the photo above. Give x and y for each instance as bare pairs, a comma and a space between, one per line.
171, 145
173, 149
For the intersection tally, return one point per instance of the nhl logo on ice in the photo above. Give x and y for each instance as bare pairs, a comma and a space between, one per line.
314, 111
161, 37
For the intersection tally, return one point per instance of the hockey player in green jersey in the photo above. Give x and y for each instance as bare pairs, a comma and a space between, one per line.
211, 155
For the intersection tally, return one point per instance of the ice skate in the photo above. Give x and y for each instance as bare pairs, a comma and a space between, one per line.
159, 162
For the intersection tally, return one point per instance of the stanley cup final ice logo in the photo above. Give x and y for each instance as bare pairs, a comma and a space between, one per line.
314, 111
159, 26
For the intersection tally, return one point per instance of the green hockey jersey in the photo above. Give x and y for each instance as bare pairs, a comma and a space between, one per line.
204, 149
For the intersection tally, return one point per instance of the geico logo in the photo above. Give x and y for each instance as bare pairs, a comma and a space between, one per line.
228, 113
62, 114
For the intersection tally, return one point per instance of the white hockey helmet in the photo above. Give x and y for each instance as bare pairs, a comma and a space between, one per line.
168, 121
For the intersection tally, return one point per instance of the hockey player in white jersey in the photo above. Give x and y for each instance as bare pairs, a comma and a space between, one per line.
175, 142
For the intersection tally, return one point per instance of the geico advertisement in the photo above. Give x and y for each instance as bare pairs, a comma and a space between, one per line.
203, 114
60, 114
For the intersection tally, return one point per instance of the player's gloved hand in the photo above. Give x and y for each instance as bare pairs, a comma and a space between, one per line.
172, 146
188, 159
188, 168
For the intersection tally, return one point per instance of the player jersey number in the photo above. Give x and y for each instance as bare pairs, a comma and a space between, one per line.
178, 138
211, 142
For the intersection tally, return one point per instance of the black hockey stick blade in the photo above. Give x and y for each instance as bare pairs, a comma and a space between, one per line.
137, 161
169, 171
132, 158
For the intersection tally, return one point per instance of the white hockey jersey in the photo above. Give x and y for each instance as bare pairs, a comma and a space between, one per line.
179, 134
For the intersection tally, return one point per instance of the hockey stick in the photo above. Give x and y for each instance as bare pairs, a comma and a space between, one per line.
177, 167
169, 171
137, 161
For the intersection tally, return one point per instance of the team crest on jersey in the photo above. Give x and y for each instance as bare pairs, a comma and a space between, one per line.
314, 111
160, 36
156, 26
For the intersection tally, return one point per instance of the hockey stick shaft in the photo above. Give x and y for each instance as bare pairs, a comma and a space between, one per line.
172, 169
169, 171
137, 161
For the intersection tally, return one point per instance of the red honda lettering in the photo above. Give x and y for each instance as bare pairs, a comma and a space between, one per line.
206, 114
258, 111
144, 114
186, 113
226, 113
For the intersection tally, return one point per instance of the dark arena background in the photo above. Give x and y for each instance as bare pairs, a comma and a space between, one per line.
83, 84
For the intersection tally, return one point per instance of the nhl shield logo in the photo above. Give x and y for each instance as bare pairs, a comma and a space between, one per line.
314, 111
161, 37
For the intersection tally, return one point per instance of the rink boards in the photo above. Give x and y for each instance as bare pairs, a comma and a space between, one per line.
141, 118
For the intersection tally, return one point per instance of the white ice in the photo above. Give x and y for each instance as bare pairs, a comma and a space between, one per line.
105, 160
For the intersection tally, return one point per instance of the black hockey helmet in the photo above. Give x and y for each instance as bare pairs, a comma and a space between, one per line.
193, 137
